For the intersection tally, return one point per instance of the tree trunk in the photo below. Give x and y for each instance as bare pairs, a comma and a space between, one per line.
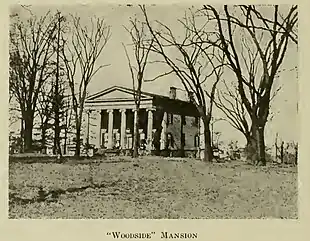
57, 132
250, 148
252, 142
261, 146
43, 135
22, 145
65, 142
136, 134
78, 138
208, 156
68, 122
255, 147
282, 151
57, 97
296, 154
28, 132
59, 147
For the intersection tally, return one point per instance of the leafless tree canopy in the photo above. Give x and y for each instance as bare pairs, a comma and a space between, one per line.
31, 50
81, 50
141, 46
80, 53
248, 41
255, 47
229, 102
30, 64
197, 63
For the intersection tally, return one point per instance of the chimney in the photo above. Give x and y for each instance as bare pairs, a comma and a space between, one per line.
191, 96
173, 93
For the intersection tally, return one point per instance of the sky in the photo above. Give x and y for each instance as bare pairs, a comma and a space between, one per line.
284, 105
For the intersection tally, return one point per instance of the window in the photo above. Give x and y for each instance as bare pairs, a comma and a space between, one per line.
196, 121
196, 140
170, 141
170, 119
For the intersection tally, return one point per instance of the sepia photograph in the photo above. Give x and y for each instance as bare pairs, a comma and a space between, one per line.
175, 111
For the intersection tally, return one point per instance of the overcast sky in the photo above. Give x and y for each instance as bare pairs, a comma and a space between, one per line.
284, 122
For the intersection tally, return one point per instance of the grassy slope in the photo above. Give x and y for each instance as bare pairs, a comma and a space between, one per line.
156, 188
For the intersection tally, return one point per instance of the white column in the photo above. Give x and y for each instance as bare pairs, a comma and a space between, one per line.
123, 127
98, 126
201, 139
135, 113
149, 129
110, 129
201, 134
163, 136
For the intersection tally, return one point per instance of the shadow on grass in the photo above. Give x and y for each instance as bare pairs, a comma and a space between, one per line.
53, 195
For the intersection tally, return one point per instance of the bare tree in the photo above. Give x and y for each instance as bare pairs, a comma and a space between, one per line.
81, 51
30, 54
141, 44
197, 64
44, 109
58, 84
229, 102
268, 38
67, 108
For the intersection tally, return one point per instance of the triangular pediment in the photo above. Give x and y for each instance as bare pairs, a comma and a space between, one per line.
115, 93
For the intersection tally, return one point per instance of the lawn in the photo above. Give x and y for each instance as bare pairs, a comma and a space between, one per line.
151, 187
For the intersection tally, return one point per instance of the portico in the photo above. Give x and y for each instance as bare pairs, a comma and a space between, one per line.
115, 127
111, 115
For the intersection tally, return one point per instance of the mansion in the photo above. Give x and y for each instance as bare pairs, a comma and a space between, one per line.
166, 123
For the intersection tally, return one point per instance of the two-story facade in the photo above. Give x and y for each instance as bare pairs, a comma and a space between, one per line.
165, 122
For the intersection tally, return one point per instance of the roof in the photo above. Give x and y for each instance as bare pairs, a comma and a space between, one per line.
171, 105
126, 90
113, 88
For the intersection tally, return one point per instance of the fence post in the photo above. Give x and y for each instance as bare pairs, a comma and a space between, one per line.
296, 154
282, 151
